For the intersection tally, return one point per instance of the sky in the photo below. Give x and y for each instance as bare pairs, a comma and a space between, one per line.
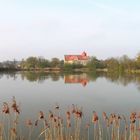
53, 28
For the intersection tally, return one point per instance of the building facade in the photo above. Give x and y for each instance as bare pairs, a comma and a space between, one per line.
77, 59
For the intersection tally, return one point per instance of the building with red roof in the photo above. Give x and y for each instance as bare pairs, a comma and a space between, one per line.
77, 59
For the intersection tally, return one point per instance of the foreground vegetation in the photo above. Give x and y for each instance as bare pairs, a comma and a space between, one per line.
69, 126
120, 64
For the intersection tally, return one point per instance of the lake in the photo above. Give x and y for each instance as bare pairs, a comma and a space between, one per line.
92, 91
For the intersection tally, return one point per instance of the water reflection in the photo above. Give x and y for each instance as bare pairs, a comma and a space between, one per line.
123, 79
75, 78
40, 76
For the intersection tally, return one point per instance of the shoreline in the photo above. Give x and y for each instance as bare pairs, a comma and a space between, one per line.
68, 70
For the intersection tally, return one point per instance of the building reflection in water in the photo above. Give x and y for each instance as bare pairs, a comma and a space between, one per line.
75, 79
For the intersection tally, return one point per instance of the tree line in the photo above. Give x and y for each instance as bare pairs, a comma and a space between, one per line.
41, 62
120, 64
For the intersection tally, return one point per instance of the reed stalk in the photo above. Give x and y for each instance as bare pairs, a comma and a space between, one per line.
71, 128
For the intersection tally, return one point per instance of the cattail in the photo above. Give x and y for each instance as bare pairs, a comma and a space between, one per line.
55, 119
68, 119
41, 115
68, 115
36, 123
95, 117
104, 116
5, 109
79, 113
46, 124
57, 106
16, 109
119, 117
14, 106
132, 120
51, 116
111, 118
133, 117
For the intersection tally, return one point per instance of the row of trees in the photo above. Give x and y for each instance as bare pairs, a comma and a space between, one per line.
120, 64
40, 62
9, 65
123, 63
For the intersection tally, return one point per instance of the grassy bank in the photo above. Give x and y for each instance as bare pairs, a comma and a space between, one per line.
57, 69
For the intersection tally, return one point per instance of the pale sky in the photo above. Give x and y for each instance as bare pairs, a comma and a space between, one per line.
52, 28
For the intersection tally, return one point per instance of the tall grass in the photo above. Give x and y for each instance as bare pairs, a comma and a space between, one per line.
52, 126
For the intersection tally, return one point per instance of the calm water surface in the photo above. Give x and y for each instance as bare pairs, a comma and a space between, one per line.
100, 92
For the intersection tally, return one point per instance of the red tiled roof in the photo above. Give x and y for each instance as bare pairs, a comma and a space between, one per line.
83, 56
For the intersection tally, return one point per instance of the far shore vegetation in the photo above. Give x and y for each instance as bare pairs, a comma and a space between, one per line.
121, 64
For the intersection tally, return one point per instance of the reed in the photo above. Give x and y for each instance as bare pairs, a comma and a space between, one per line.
54, 125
